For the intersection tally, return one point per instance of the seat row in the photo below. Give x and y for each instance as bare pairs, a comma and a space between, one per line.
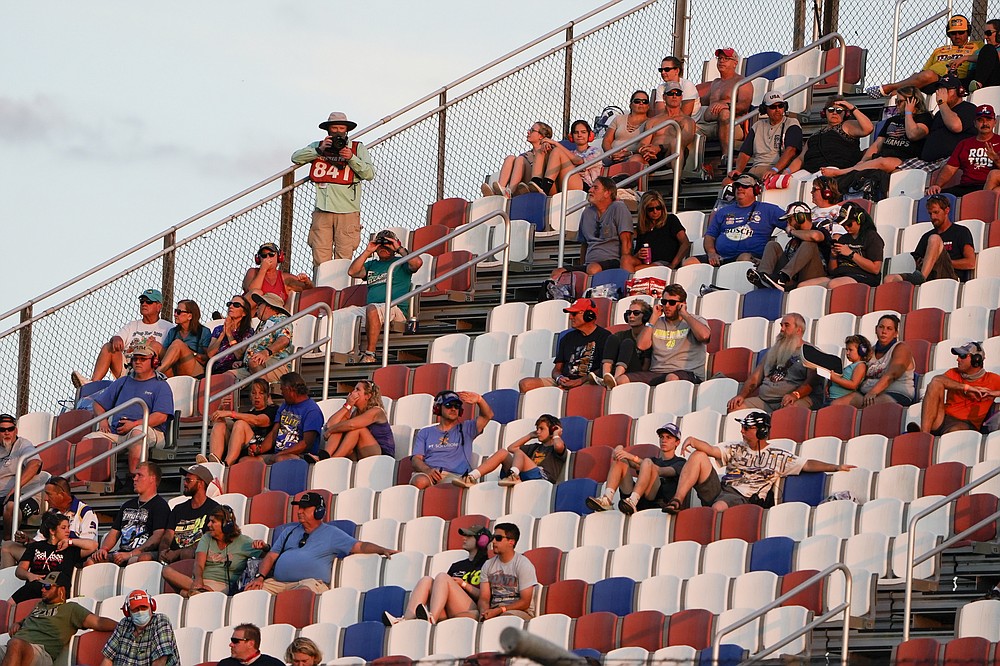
932, 652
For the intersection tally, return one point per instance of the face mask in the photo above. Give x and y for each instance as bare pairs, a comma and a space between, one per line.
141, 618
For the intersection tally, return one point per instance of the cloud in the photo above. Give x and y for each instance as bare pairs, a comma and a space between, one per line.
23, 122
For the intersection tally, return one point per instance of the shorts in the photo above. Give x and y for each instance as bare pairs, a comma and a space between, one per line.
951, 424
655, 378
939, 68
533, 474
446, 477
397, 314
712, 491
154, 437
709, 128
605, 265
703, 258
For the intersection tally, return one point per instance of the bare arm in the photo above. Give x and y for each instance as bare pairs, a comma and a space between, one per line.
946, 173
744, 98
852, 382
98, 623
695, 444
362, 420
369, 548
859, 124
819, 466
683, 249
751, 385
968, 260
902, 358
626, 243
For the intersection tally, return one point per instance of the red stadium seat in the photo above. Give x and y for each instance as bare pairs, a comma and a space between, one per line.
72, 419
718, 329
643, 629
851, 298
354, 295
966, 650
315, 295
943, 478
885, 420
836, 420
547, 561
791, 422
422, 238
912, 448
568, 597
393, 381
923, 324
269, 508
295, 607
921, 354
448, 212
441, 500
980, 205
969, 510
431, 378
694, 524
811, 597
690, 627
596, 631
459, 286
247, 477
185, 567
88, 647
586, 401
591, 463
896, 296
916, 652
854, 67
100, 473
734, 362
742, 522
611, 430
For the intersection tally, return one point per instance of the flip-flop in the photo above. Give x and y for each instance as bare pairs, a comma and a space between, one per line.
673, 507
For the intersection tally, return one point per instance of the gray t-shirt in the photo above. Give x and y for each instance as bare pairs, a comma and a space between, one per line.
8, 463
781, 380
507, 579
676, 348
600, 233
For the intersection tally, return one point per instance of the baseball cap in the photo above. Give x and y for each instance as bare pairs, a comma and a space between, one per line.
199, 471
142, 350
971, 347
727, 52
472, 530
7, 418
671, 85
309, 499
958, 23
137, 597
56, 578
269, 246
985, 111
152, 295
669, 428
446, 397
747, 180
773, 97
581, 305
795, 208
271, 299
950, 81
755, 419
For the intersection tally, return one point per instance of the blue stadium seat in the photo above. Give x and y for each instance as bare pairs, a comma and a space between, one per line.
613, 595
289, 475
729, 655
530, 207
764, 303
587, 653
805, 487
758, 61
503, 402
347, 526
924, 216
386, 598
364, 640
90, 388
574, 432
772, 554
615, 276
572, 495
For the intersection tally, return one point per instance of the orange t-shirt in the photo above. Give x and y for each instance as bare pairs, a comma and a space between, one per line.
961, 406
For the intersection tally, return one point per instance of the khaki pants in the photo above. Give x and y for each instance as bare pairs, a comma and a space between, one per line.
334, 235
276, 586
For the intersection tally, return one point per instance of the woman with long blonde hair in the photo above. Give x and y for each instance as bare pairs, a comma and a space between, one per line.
360, 428
662, 231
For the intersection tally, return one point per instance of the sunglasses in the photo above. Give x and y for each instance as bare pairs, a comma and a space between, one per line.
234, 639
636, 100
452, 405
652, 208
963, 356
633, 313
235, 304
302, 541
178, 311
674, 93
500, 537
47, 586
987, 33
836, 109
779, 105
145, 301
743, 186
670, 301
265, 255
532, 129
670, 69
958, 32
141, 358
8, 429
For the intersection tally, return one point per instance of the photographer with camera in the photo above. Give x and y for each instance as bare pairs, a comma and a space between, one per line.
338, 167
386, 248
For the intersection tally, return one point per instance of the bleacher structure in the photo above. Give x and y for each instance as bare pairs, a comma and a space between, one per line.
866, 577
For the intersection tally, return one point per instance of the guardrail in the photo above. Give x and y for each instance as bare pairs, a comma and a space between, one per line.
676, 157
16, 515
839, 69
898, 36
912, 562
207, 383
844, 607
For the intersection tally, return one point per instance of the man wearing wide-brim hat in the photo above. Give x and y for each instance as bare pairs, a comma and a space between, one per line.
338, 167
273, 348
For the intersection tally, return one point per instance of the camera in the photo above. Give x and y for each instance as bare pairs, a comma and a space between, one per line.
338, 142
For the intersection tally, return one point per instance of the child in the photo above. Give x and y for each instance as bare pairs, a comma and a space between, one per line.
524, 462
859, 352
581, 134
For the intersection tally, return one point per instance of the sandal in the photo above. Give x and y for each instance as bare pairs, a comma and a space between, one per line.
367, 358
673, 507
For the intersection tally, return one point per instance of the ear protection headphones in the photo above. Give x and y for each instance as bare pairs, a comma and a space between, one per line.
590, 314
228, 527
319, 512
863, 349
443, 397
824, 184
590, 132
977, 359
281, 255
646, 315
136, 595
154, 361
758, 188
483, 539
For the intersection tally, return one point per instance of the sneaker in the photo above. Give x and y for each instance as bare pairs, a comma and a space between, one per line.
974, 86
594, 379
509, 481
464, 482
388, 619
626, 506
486, 190
916, 277
609, 380
875, 92
772, 283
422, 612
214, 458
367, 358
200, 459
520, 189
753, 277
912, 427
78, 379
498, 189
601, 503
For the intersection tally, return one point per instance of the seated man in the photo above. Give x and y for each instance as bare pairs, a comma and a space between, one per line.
890, 375
772, 143
41, 638
152, 388
507, 580
655, 479
664, 142
269, 278
954, 120
13, 448
271, 350
605, 233
579, 352
303, 555
741, 230
939, 64
142, 637
803, 258
678, 341
961, 398
716, 101
781, 379
441, 452
149, 331
82, 523
188, 519
946, 251
297, 426
753, 469
543, 459
140, 523
387, 249
974, 157
244, 648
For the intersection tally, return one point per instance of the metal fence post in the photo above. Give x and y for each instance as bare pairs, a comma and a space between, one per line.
287, 211
680, 29
169, 266
442, 135
831, 16
24, 363
568, 79
799, 33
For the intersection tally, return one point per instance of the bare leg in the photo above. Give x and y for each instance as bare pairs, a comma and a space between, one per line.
696, 470
241, 436
647, 483
556, 167
501, 458
521, 172
108, 360
217, 441
180, 582
421, 594
448, 599
934, 249
918, 80
373, 327
992, 180
932, 408
529, 383
506, 170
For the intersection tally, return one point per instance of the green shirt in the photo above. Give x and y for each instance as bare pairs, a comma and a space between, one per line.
335, 198
52, 625
215, 559
375, 273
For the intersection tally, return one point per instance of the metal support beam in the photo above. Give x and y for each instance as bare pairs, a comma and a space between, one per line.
680, 29
287, 218
24, 363
169, 269
568, 79
442, 133
799, 32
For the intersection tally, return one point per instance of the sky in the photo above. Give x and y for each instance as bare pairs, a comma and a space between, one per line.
119, 119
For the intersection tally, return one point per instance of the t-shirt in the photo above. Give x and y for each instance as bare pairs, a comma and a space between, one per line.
870, 246
637, 361
581, 353
236, 554
546, 458
52, 625
196, 342
668, 484
623, 137
971, 157
782, 379
445, 450
821, 214
294, 421
591, 173
82, 521
137, 521
676, 348
155, 392
754, 473
737, 229
955, 238
314, 558
43, 558
663, 242
951, 52
271, 411
8, 463
188, 523
765, 142
507, 579
601, 232
376, 271
277, 327
468, 570
941, 141
894, 140
138, 332
964, 407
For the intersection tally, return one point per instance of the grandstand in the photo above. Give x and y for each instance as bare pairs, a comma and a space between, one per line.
648, 588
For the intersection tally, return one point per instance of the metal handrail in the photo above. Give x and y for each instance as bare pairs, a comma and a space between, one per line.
912, 562
81, 428
839, 68
505, 248
899, 36
600, 157
207, 383
845, 607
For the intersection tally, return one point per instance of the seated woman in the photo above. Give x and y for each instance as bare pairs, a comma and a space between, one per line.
837, 143
451, 594
859, 352
540, 169
220, 558
237, 327
662, 231
581, 134
621, 354
185, 346
360, 428
246, 430
303, 652
623, 129
42, 557
855, 256
269, 279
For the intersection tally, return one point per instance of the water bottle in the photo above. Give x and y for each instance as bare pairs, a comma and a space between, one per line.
646, 254
412, 326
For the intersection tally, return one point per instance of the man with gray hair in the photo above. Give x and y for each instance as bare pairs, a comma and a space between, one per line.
781, 379
606, 231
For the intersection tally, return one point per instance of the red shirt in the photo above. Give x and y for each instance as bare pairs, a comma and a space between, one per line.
970, 156
964, 407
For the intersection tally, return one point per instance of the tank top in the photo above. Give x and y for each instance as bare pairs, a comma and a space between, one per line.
276, 287
876, 368
382, 432
831, 146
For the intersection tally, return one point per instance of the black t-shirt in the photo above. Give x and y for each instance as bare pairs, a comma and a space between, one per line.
870, 246
271, 411
955, 238
668, 484
43, 558
581, 353
941, 141
188, 524
546, 458
894, 140
467, 570
663, 243
831, 146
136, 523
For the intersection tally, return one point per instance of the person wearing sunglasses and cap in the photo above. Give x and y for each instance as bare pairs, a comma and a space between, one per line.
962, 397
143, 637
944, 60
14, 448
268, 278
772, 142
579, 352
271, 350
803, 257
954, 120
714, 122
976, 157
442, 452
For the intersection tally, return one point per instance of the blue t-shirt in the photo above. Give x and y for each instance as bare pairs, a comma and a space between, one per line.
443, 450
838, 391
294, 421
154, 392
314, 559
196, 342
744, 229
375, 274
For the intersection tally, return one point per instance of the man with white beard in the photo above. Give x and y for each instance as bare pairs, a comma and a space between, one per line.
780, 379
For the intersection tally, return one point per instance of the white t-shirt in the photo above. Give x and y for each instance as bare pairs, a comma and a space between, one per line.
824, 214
139, 332
750, 472
689, 90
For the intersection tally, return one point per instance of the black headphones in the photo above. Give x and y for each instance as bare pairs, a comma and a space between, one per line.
590, 314
319, 512
760, 420
443, 397
269, 246
864, 349
229, 526
977, 359
647, 314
